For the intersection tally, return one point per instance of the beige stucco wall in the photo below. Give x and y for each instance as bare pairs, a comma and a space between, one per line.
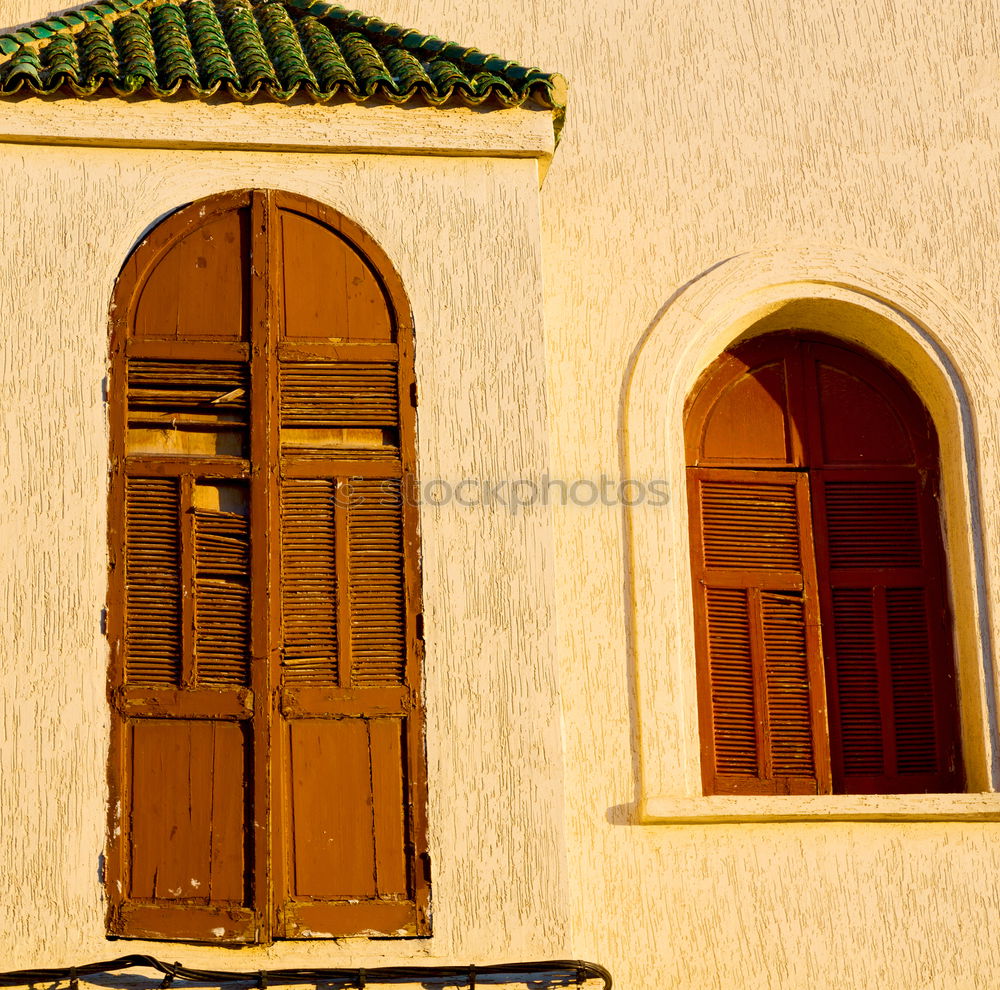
494, 749
696, 133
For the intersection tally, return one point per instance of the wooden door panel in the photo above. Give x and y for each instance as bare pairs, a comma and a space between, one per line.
347, 800
749, 422
332, 820
389, 805
188, 811
200, 288
330, 290
348, 844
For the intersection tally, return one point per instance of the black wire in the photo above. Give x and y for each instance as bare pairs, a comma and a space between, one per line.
345, 978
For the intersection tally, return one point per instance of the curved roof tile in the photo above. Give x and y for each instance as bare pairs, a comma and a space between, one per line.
276, 49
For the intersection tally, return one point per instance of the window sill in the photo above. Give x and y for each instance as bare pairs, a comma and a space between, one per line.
670, 810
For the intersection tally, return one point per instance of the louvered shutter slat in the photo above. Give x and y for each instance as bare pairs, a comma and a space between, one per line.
873, 524
734, 714
152, 582
346, 394
857, 679
222, 598
309, 583
750, 526
912, 680
378, 631
787, 673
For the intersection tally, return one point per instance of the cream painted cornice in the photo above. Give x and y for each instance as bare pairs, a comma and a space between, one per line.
229, 126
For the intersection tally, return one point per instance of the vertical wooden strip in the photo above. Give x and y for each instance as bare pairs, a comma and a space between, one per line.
269, 739
228, 882
342, 547
261, 424
189, 635
758, 653
118, 773
811, 595
388, 805
415, 800
706, 721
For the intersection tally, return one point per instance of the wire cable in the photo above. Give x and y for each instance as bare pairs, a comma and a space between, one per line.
562, 970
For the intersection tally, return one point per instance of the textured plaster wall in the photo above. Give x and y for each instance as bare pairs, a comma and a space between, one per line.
696, 132
70, 218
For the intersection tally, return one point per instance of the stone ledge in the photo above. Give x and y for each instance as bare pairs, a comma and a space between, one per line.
226, 125
670, 810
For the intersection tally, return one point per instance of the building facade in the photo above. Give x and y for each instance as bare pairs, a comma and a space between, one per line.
721, 172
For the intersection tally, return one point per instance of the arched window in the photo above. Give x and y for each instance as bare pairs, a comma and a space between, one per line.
825, 660
267, 751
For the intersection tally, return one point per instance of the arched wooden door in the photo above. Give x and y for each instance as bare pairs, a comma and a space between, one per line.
267, 751
825, 659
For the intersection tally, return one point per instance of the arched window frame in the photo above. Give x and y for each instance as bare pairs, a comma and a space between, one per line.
839, 294
265, 917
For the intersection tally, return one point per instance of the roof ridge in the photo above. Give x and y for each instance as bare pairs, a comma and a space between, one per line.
407, 36
73, 19
250, 48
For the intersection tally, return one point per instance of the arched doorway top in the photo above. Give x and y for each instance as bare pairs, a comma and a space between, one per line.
336, 282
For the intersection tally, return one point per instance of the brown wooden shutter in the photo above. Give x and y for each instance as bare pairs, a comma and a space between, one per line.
346, 708
761, 675
349, 701
265, 585
179, 616
152, 581
375, 578
184, 693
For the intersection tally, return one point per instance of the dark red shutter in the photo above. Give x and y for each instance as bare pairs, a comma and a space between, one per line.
890, 667
862, 462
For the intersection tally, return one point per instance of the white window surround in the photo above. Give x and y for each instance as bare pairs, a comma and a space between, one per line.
925, 336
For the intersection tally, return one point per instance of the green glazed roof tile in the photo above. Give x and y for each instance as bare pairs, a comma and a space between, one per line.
273, 49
